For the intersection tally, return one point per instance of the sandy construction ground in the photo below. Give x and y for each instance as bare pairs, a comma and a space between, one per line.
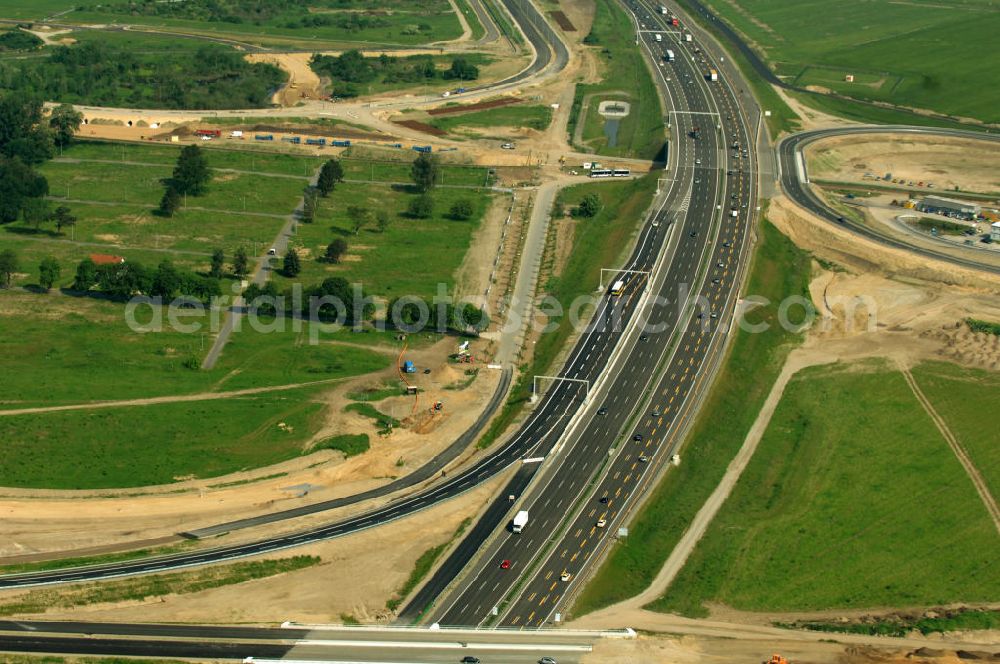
946, 162
356, 576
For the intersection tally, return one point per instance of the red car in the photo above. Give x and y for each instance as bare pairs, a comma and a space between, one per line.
505, 564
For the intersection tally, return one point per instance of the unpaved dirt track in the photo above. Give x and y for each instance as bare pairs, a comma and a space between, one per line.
963, 457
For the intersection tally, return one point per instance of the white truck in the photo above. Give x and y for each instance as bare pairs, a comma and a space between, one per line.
659, 37
520, 521
669, 57
687, 37
663, 10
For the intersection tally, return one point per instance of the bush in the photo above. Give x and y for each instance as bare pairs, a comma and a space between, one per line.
462, 210
421, 207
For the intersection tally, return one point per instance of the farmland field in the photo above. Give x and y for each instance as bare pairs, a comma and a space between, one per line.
791, 537
531, 117
916, 54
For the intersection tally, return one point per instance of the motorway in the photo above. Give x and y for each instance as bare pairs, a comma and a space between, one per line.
618, 451
795, 183
295, 643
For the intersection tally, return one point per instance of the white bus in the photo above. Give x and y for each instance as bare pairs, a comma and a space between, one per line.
621, 173
669, 57
618, 287
601, 173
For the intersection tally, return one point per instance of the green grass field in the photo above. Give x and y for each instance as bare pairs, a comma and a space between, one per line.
410, 257
532, 117
91, 353
779, 269
923, 55
597, 242
852, 500
626, 77
959, 396
409, 23
156, 444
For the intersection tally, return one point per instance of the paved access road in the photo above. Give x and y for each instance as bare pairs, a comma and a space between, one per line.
525, 577
795, 182
297, 643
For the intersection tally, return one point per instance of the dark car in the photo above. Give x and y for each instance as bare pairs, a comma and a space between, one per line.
604, 500
469, 659
602, 411
637, 437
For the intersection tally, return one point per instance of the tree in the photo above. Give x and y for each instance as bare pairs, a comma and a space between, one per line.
461, 69
191, 173
462, 210
335, 250
64, 122
262, 299
424, 171
35, 211
166, 281
329, 175
18, 184
309, 201
22, 133
589, 206
48, 272
86, 275
170, 202
218, 262
9, 264
382, 221
63, 218
241, 263
360, 217
421, 207
292, 265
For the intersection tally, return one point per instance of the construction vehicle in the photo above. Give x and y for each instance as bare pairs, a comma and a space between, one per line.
210, 133
341, 143
519, 522
316, 141
408, 367
295, 140
422, 148
263, 137
776, 659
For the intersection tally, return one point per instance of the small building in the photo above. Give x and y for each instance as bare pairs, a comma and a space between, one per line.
995, 231
849, 78
949, 206
106, 259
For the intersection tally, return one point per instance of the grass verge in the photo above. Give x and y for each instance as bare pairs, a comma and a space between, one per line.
625, 77
943, 621
422, 567
597, 242
142, 588
61, 563
779, 269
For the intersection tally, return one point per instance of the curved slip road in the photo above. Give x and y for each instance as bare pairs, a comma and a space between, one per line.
795, 183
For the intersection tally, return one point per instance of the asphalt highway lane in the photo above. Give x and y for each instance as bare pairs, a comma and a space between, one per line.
565, 554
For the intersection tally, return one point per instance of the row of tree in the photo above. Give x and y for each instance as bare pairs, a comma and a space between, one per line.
127, 279
339, 300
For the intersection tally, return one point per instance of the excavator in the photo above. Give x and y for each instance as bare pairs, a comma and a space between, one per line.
776, 659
